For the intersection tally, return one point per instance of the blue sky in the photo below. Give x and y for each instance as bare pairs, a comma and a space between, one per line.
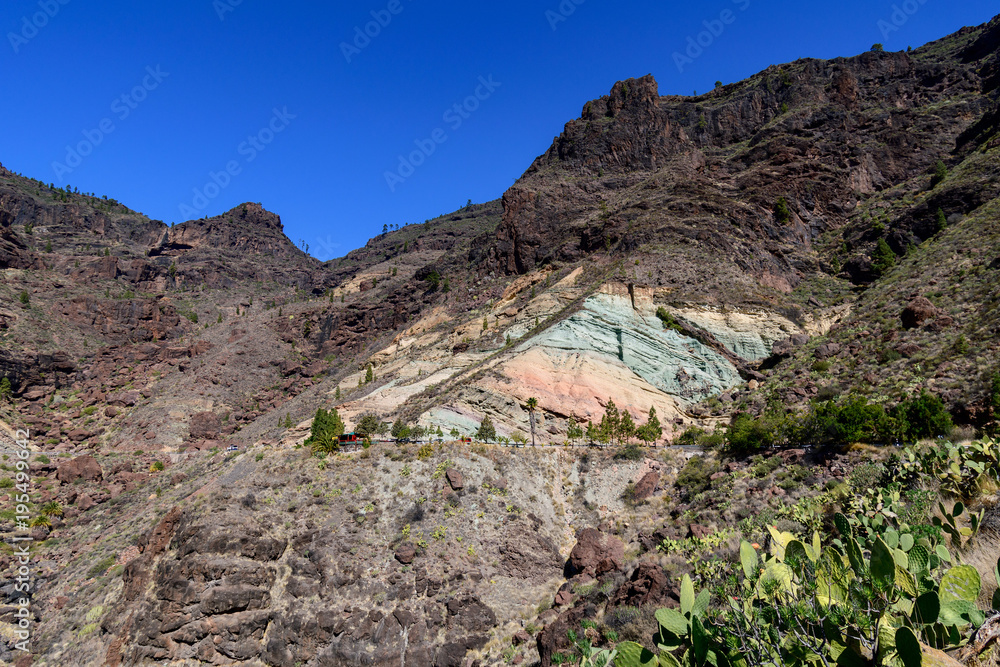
190, 107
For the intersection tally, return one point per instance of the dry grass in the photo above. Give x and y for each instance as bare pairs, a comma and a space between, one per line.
982, 554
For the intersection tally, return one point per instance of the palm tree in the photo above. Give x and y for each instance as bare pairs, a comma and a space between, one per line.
532, 404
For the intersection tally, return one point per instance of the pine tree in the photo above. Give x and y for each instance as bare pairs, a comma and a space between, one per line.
626, 427
486, 432
6, 391
327, 427
574, 432
939, 174
369, 375
608, 429
400, 430
368, 424
591, 432
651, 431
883, 258
942, 221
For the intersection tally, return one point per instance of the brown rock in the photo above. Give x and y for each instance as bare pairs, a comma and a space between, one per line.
648, 585
455, 479
205, 426
85, 467
828, 350
563, 598
111, 411
917, 312
698, 530
78, 435
406, 553
84, 502
646, 486
596, 553
520, 637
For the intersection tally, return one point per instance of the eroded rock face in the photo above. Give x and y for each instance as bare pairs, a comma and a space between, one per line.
210, 592
205, 426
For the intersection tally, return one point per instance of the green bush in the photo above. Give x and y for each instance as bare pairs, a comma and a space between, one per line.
695, 476
922, 417
782, 212
101, 567
631, 451
748, 435
939, 173
852, 420
941, 220
883, 258
668, 320
42, 458
25, 298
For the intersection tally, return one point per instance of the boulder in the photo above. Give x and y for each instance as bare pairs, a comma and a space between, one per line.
596, 553
84, 503
828, 350
78, 435
82, 467
648, 585
698, 530
205, 426
646, 486
455, 479
406, 553
917, 312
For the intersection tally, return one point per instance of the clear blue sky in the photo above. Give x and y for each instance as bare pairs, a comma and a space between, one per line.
226, 66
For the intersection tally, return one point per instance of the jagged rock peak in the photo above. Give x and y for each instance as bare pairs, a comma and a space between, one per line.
630, 94
253, 214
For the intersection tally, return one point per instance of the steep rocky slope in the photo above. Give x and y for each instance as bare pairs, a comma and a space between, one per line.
696, 255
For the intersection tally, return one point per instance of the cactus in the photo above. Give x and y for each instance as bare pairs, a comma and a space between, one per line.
908, 648
948, 522
996, 593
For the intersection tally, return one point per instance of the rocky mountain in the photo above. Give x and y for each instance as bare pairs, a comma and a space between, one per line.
822, 228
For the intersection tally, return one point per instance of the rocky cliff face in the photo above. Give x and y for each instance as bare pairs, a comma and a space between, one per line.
638, 174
